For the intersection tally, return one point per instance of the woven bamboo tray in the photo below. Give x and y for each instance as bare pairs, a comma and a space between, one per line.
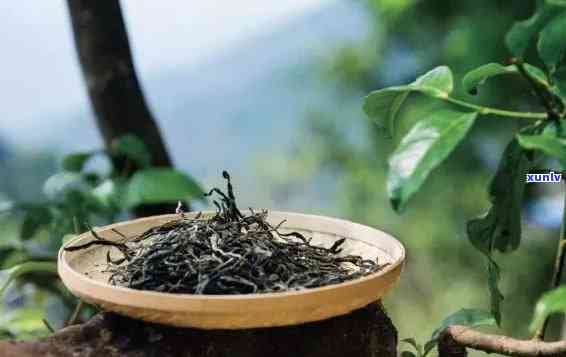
81, 272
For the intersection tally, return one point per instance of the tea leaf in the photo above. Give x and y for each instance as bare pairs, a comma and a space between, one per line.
496, 297
473, 79
36, 217
76, 162
552, 41
548, 144
9, 275
481, 233
550, 303
426, 145
384, 104
477, 77
506, 194
521, 33
481, 230
465, 317
160, 185
133, 148
437, 82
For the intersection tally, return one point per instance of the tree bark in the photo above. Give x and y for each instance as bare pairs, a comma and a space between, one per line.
117, 99
366, 332
456, 339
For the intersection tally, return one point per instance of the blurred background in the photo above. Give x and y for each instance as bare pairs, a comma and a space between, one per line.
272, 92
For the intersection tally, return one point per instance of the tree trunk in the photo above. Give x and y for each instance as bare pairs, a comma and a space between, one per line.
113, 87
366, 332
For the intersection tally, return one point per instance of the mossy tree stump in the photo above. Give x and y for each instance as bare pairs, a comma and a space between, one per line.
367, 332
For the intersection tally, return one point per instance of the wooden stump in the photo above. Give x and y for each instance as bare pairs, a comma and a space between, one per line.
367, 332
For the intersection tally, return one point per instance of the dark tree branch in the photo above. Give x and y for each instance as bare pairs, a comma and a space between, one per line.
113, 87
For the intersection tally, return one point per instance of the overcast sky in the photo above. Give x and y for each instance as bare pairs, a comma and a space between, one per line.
38, 68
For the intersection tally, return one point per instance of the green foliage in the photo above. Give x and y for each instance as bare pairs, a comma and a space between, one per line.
36, 217
383, 105
76, 162
159, 185
550, 303
495, 295
465, 317
428, 143
547, 143
521, 34
132, 148
413, 343
9, 275
552, 42
478, 76
505, 194
556, 2
435, 134
75, 199
25, 323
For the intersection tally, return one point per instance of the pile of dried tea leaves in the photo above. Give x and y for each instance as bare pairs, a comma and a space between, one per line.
228, 253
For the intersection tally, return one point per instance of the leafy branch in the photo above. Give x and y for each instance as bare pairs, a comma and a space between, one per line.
437, 133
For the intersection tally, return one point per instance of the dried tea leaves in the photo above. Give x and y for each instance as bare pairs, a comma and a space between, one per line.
228, 253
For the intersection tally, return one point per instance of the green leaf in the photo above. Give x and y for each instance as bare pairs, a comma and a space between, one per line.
437, 82
59, 184
556, 2
9, 275
481, 231
522, 32
384, 104
550, 303
36, 217
465, 317
477, 77
500, 227
548, 144
133, 148
160, 185
506, 194
559, 87
408, 354
76, 162
109, 192
411, 341
496, 297
552, 41
429, 346
473, 79
426, 145
481, 234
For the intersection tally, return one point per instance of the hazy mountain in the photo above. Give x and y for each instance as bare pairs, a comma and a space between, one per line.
247, 99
